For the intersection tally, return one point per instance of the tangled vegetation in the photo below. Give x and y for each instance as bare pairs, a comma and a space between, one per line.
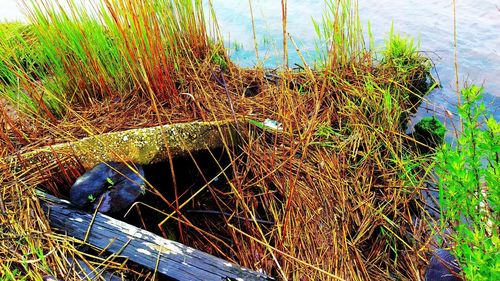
331, 191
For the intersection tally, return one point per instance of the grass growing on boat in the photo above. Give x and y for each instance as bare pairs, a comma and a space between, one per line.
336, 183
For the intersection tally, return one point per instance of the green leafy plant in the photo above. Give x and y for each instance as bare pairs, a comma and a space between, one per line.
469, 175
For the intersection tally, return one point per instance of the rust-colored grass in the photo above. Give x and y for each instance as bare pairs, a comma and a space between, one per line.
332, 194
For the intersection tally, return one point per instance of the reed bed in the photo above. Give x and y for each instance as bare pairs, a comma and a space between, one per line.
332, 192
334, 195
115, 49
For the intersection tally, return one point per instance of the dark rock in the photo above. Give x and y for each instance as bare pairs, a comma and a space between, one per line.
109, 187
90, 185
443, 266
128, 186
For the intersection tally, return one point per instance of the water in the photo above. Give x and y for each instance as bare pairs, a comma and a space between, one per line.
430, 21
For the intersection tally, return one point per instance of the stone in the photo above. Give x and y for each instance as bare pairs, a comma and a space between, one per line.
109, 187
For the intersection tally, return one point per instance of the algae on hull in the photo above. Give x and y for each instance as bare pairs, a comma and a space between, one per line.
143, 146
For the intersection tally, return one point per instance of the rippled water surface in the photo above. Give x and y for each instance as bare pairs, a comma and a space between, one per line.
430, 21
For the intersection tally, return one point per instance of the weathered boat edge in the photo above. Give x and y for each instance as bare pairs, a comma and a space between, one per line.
142, 146
169, 258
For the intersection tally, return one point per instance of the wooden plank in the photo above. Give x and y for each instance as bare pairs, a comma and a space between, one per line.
169, 258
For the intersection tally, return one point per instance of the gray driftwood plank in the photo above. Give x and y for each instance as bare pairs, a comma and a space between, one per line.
169, 258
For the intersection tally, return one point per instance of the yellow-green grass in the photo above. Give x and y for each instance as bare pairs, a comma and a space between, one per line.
115, 49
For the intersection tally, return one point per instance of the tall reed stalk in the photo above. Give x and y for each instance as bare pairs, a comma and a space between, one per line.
113, 49
340, 33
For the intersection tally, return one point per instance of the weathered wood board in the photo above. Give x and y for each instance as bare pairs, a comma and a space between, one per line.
169, 258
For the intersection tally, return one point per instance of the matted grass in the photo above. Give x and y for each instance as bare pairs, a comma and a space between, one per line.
331, 194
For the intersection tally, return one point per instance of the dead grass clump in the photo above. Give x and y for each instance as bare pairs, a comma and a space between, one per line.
327, 189
334, 194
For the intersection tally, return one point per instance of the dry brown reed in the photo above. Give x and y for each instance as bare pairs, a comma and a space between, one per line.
334, 194
328, 197
342, 205
29, 249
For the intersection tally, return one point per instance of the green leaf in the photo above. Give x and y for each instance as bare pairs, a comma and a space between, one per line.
110, 181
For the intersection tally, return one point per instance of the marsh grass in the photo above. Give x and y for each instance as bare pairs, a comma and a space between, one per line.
340, 34
333, 194
113, 49
340, 199
17, 46
401, 56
